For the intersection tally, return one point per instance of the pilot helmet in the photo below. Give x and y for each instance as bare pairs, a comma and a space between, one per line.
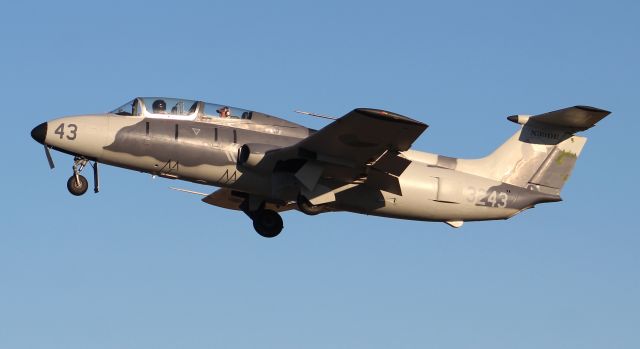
159, 106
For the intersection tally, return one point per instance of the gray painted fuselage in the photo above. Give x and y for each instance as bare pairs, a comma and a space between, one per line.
206, 152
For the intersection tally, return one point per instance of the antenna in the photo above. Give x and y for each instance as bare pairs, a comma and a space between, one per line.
316, 115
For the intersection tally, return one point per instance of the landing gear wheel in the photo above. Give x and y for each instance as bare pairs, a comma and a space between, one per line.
267, 223
77, 187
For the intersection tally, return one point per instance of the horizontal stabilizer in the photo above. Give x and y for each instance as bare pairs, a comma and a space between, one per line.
578, 118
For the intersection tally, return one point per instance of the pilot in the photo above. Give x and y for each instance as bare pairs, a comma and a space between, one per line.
159, 107
134, 107
224, 112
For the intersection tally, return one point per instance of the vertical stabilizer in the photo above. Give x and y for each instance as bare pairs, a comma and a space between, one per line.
542, 154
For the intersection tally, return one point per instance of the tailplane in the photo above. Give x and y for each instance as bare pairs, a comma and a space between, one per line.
542, 154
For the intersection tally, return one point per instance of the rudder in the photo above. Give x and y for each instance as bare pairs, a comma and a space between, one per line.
557, 167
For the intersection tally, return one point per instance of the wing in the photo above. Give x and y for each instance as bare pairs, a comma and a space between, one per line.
231, 200
226, 198
360, 147
223, 198
363, 135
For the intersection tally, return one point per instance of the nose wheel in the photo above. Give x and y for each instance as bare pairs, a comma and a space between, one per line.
77, 183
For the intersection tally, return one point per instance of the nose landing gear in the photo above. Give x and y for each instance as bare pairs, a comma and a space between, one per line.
77, 183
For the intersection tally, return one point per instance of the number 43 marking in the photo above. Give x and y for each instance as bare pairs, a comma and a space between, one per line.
71, 128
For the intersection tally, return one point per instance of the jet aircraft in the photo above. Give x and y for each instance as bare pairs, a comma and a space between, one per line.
360, 162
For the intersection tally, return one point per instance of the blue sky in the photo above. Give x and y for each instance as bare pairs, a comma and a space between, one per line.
141, 266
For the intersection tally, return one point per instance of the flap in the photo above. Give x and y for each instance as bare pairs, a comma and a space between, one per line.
392, 162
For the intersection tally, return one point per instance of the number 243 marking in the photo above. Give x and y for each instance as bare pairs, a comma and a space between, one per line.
71, 128
491, 198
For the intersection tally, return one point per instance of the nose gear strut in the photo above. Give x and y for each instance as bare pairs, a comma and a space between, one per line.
77, 183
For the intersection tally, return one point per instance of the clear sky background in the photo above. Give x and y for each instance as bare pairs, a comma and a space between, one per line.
141, 266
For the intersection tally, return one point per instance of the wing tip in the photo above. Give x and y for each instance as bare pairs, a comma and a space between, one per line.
593, 109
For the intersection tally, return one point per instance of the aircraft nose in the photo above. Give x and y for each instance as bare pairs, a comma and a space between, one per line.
39, 133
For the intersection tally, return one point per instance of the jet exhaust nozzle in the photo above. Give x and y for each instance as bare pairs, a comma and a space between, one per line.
250, 155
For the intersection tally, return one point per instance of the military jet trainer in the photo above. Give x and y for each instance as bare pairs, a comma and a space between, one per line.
361, 162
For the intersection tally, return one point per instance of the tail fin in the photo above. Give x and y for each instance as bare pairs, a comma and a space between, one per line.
542, 154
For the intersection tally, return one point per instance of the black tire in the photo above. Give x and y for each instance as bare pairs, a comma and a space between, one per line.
76, 189
268, 223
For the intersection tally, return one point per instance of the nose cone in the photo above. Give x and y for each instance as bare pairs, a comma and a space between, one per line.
39, 133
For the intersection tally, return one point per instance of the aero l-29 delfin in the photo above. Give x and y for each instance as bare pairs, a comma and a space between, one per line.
360, 162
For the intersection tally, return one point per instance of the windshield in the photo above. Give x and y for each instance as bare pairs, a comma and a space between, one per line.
131, 108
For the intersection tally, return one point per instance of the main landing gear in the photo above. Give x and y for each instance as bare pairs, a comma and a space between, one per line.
266, 222
77, 183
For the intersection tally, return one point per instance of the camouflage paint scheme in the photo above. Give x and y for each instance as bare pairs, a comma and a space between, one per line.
276, 166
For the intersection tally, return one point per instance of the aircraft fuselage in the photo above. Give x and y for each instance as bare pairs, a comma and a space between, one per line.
207, 153
359, 163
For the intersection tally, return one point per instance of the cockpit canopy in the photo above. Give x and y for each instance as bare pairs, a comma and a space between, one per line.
198, 111
183, 109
